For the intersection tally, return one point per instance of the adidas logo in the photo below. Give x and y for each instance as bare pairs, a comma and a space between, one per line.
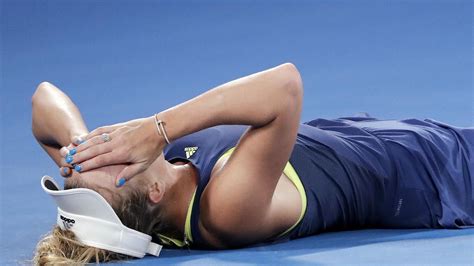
190, 151
68, 223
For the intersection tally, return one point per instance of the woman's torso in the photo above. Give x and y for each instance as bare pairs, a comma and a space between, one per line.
342, 172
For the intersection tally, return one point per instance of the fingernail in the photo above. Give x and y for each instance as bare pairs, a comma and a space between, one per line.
121, 182
65, 170
72, 151
69, 159
64, 151
78, 168
78, 140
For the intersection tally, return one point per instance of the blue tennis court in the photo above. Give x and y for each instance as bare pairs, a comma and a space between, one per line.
120, 60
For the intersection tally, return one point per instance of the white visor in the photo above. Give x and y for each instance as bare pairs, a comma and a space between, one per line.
93, 221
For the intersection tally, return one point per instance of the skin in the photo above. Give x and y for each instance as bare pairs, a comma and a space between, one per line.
247, 200
56, 121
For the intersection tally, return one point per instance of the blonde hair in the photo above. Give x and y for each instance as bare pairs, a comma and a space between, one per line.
61, 246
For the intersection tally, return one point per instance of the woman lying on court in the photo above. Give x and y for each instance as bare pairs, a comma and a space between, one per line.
235, 167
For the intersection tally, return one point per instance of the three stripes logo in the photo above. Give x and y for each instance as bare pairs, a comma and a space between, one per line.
190, 151
68, 223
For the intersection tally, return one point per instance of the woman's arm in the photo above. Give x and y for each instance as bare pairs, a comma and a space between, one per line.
55, 120
237, 204
238, 199
255, 100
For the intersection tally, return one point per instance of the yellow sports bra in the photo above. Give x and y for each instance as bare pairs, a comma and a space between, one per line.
289, 171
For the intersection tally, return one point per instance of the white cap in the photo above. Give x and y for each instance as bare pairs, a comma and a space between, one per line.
93, 221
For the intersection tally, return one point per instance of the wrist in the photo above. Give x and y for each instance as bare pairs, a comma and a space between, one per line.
160, 128
153, 135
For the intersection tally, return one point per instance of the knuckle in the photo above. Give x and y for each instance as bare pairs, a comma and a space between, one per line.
127, 150
98, 131
80, 148
94, 151
97, 140
77, 158
124, 128
101, 149
118, 141
122, 154
101, 160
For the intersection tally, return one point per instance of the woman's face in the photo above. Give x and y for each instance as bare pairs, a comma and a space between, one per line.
101, 177
102, 180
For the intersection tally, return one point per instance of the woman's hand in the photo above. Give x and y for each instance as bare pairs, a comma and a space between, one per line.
110, 129
136, 143
66, 169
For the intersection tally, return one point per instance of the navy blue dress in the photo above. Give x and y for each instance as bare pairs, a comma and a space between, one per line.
360, 172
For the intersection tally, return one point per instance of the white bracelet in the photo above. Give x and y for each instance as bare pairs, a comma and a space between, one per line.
160, 126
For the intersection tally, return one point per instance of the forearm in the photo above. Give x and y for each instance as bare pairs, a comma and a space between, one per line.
254, 100
55, 119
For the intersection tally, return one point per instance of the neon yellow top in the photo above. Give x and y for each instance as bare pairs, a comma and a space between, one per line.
289, 171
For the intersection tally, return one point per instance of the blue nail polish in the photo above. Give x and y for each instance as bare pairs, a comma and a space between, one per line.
65, 170
78, 168
72, 151
69, 159
121, 182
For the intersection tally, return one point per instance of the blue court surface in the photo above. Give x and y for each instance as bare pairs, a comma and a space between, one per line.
120, 60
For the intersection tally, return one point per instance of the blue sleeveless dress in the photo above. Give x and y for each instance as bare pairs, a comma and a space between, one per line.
357, 172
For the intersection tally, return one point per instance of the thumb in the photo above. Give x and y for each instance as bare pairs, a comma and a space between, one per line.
128, 173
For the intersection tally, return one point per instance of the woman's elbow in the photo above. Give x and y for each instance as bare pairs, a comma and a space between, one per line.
293, 84
40, 92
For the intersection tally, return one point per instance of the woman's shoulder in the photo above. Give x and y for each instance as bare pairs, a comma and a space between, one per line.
221, 228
